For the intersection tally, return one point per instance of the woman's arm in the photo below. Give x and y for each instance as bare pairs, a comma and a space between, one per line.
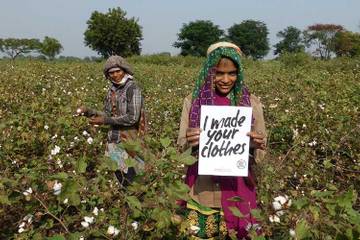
184, 124
259, 126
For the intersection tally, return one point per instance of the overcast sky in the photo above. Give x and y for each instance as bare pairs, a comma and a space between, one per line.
161, 20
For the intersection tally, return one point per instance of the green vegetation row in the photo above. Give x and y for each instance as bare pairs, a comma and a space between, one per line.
56, 182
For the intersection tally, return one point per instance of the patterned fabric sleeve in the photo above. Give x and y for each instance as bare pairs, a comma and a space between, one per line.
132, 115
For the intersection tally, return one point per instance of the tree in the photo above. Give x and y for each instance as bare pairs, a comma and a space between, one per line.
195, 37
291, 41
50, 47
14, 46
112, 33
322, 38
251, 37
347, 44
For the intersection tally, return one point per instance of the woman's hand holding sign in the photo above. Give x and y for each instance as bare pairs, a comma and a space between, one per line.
193, 136
257, 140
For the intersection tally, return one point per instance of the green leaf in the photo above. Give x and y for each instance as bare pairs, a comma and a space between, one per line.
130, 162
331, 209
302, 230
110, 164
321, 194
328, 164
74, 236
300, 203
133, 202
177, 190
70, 191
354, 216
236, 212
37, 236
346, 199
165, 142
235, 199
257, 214
60, 176
131, 145
259, 238
349, 233
4, 200
81, 165
56, 237
164, 219
315, 212
187, 158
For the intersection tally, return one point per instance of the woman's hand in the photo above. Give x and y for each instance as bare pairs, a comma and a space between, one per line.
98, 120
193, 136
81, 111
257, 140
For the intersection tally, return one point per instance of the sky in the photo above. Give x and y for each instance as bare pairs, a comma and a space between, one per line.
161, 20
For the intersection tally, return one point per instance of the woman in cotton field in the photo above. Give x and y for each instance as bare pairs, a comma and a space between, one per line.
123, 112
220, 83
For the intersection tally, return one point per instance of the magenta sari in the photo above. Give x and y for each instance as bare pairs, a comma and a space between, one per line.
231, 187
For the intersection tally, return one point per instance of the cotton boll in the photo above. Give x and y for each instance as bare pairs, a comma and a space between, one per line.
274, 218
90, 140
28, 191
57, 188
89, 219
85, 224
95, 211
194, 228
276, 205
281, 199
111, 230
292, 232
135, 225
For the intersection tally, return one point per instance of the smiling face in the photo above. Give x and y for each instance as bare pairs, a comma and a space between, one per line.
116, 76
226, 75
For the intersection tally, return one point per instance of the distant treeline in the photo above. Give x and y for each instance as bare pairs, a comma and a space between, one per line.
112, 33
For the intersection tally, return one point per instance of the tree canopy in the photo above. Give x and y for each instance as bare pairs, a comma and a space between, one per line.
50, 47
13, 47
251, 37
347, 43
321, 37
291, 42
195, 37
112, 33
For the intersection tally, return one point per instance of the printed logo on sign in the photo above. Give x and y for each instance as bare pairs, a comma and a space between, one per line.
241, 164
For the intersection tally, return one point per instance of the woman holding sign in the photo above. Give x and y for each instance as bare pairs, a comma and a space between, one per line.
217, 201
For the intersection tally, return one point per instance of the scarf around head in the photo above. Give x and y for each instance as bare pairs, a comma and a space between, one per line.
203, 93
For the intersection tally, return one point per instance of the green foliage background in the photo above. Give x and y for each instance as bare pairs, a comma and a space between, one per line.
252, 36
112, 33
195, 37
312, 116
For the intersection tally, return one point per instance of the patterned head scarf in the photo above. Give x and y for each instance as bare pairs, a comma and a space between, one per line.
203, 93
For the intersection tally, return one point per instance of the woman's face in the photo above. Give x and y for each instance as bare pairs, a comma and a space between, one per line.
226, 75
116, 76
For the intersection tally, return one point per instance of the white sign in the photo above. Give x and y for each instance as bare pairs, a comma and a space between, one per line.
224, 145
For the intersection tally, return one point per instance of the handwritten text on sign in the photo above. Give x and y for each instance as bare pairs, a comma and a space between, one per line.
224, 146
